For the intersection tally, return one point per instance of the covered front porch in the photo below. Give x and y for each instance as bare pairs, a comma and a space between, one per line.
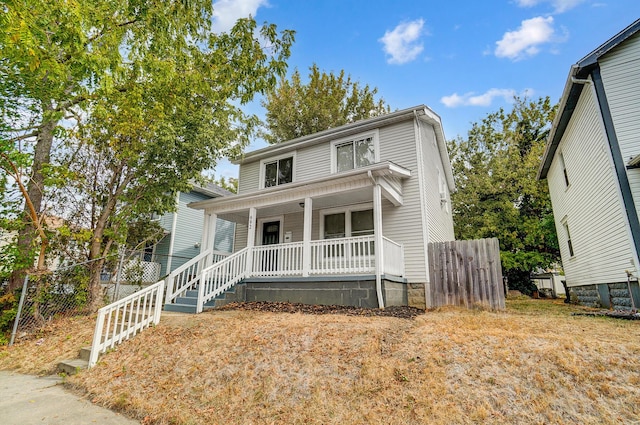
324, 230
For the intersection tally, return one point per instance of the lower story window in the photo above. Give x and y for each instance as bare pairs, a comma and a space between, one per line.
348, 223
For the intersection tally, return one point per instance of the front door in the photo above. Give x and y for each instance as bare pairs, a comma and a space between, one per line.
270, 236
270, 232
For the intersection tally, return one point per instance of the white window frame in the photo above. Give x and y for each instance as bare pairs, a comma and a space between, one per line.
375, 136
266, 161
347, 216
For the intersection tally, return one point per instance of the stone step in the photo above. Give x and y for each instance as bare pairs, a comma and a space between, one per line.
85, 353
71, 367
180, 308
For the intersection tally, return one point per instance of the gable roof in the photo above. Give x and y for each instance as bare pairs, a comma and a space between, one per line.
572, 90
421, 112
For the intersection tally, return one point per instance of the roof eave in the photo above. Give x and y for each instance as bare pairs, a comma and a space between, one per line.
332, 133
572, 91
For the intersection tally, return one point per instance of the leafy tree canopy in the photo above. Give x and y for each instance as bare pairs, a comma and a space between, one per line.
296, 109
109, 107
498, 194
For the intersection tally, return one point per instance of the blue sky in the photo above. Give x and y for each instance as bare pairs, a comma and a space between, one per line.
463, 59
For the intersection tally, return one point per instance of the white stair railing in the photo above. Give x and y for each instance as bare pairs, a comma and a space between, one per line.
221, 276
124, 318
186, 276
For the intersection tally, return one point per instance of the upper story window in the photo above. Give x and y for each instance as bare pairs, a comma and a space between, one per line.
355, 152
277, 171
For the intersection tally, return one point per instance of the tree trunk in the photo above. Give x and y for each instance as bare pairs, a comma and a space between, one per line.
35, 191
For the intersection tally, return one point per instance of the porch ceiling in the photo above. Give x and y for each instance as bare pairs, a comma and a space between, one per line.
347, 188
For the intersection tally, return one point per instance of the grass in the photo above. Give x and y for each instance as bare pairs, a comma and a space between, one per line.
534, 363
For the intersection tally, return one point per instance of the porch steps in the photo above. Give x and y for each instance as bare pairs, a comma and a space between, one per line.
73, 366
187, 304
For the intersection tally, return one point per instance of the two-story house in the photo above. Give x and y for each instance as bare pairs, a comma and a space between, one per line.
343, 216
592, 166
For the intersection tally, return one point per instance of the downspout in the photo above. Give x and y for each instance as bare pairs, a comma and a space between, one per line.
619, 165
377, 220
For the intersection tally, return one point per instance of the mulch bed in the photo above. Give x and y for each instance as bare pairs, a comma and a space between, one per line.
402, 312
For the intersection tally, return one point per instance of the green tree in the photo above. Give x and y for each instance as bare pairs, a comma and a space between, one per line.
230, 184
153, 93
498, 194
295, 109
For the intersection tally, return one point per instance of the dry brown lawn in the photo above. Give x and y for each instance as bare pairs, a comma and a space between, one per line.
534, 364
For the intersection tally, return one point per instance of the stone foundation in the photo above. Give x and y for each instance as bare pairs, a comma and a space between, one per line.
356, 292
607, 295
415, 295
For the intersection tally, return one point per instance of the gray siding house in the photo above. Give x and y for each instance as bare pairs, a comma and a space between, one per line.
343, 216
591, 163
184, 230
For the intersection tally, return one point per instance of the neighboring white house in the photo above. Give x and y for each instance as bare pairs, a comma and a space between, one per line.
343, 216
591, 163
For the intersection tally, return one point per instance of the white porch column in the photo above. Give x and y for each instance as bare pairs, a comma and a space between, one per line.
306, 238
211, 239
251, 238
377, 232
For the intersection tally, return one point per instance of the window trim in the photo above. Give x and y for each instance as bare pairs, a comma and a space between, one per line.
269, 160
347, 210
375, 136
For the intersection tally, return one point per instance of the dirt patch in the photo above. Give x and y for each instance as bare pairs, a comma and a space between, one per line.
402, 312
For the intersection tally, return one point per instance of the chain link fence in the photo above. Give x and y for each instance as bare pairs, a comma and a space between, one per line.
65, 291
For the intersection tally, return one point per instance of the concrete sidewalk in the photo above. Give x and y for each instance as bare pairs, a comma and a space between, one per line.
26, 399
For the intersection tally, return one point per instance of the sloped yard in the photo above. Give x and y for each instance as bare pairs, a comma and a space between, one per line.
535, 363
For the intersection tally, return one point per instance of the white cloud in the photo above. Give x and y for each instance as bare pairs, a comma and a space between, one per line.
525, 41
227, 12
559, 6
484, 99
402, 43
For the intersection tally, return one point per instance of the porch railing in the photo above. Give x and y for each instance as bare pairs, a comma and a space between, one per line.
186, 276
329, 256
343, 255
393, 262
277, 260
126, 317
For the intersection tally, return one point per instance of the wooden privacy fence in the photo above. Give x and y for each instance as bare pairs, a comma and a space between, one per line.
466, 273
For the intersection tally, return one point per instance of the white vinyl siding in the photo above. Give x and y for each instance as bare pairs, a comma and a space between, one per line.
620, 71
439, 213
249, 177
592, 204
404, 224
313, 162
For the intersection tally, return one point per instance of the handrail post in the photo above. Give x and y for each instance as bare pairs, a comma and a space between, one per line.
200, 302
169, 283
97, 338
158, 306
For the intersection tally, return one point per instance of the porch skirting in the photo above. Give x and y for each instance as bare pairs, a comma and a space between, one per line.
356, 291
